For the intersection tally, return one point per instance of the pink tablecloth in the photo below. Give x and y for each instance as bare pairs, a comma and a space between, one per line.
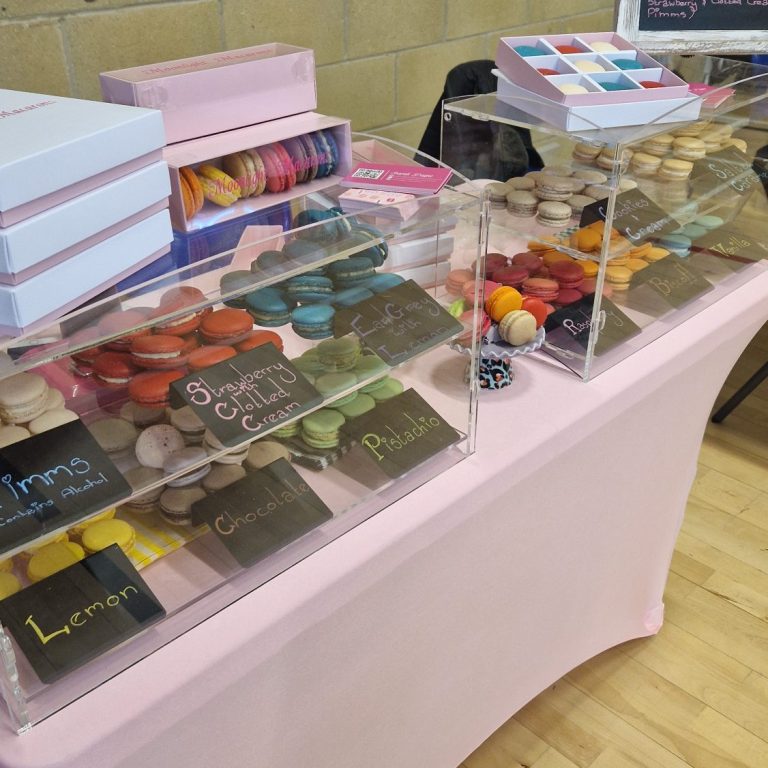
407, 641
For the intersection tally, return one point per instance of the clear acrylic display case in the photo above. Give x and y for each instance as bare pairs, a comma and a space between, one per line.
681, 234
188, 569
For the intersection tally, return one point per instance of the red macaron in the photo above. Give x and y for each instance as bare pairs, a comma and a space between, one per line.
174, 302
115, 369
158, 352
257, 338
568, 49
226, 326
152, 389
537, 308
569, 274
513, 276
123, 326
205, 357
547, 71
567, 296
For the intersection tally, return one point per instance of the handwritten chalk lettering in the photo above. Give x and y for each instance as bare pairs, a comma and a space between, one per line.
229, 523
575, 328
414, 344
80, 618
667, 286
35, 509
46, 478
392, 441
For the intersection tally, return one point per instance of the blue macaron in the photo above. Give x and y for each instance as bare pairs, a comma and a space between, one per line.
382, 281
267, 260
237, 280
350, 272
627, 64
351, 296
268, 307
680, 245
528, 50
313, 321
307, 289
333, 147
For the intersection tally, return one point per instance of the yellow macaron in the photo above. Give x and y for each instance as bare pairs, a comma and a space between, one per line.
53, 558
9, 585
76, 531
107, 532
503, 300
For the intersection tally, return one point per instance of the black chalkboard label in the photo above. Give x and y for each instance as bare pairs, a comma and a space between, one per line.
401, 433
568, 328
399, 323
735, 247
52, 479
727, 169
245, 395
74, 615
635, 216
263, 512
676, 280
680, 15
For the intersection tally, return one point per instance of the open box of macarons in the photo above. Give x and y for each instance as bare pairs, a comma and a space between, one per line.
588, 74
224, 176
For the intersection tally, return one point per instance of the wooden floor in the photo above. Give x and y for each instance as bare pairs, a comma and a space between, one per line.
696, 694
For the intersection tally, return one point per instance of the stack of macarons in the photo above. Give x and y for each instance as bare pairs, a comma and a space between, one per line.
272, 168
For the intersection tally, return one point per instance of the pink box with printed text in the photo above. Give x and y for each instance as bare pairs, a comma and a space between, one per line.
216, 92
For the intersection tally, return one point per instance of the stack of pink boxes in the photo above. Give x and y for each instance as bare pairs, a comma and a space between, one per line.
83, 202
240, 127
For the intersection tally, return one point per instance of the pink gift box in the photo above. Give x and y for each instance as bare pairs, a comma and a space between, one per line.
210, 150
217, 92
523, 70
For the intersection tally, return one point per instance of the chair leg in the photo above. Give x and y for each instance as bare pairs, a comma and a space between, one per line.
747, 388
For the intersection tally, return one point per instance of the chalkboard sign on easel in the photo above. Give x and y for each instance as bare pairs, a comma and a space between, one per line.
694, 26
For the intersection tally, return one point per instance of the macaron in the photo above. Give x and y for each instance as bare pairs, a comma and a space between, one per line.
221, 476
618, 277
77, 531
689, 148
360, 404
108, 532
263, 452
528, 50
568, 296
547, 72
208, 355
53, 558
553, 214
258, 338
226, 326
155, 352
278, 168
521, 183
268, 307
522, 203
189, 424
585, 153
541, 288
569, 274
680, 245
504, 299
512, 275
659, 145
551, 187
155, 444
247, 169
601, 46
349, 272
675, 170
321, 428
518, 327
313, 321
384, 389
537, 308
181, 460
115, 436
455, 279
627, 64
152, 389
140, 416
122, 327
9, 585
338, 354
382, 281
568, 49
588, 66
13, 434
176, 504
23, 397
578, 203
493, 261
222, 453
299, 158
645, 164
139, 478
308, 288
183, 303
56, 417
571, 89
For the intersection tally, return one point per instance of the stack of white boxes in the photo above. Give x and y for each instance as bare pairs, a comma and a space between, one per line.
83, 202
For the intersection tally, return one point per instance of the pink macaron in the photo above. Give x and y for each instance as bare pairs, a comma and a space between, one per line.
513, 276
529, 260
541, 288
486, 289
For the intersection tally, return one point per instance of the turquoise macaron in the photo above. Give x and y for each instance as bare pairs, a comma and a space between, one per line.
313, 321
351, 296
268, 307
383, 281
627, 64
678, 244
307, 289
529, 50
237, 280
347, 273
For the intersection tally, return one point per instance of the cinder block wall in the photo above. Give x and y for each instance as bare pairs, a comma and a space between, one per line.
381, 63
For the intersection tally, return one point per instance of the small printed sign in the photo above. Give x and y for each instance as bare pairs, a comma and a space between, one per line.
635, 216
263, 512
74, 615
401, 433
399, 323
727, 169
675, 280
569, 328
240, 397
52, 479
